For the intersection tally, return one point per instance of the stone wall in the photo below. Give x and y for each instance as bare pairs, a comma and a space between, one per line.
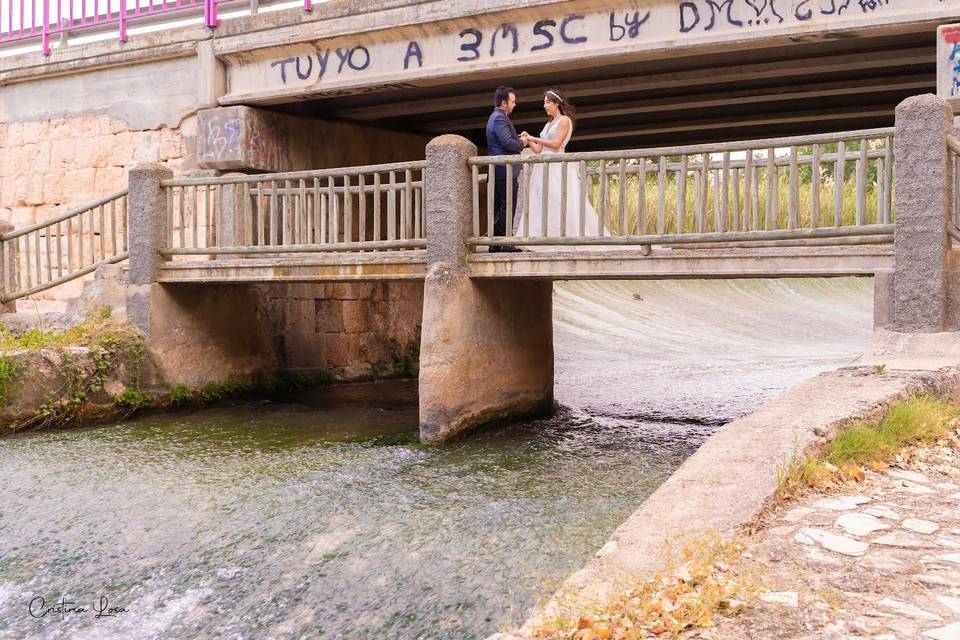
354, 330
50, 166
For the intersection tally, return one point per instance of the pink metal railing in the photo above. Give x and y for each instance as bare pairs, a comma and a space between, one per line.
22, 20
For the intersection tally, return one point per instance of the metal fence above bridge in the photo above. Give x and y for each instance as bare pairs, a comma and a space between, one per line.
823, 189
368, 208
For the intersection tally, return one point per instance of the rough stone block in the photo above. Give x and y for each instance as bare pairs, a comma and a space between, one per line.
355, 316
329, 316
170, 144
231, 138
346, 290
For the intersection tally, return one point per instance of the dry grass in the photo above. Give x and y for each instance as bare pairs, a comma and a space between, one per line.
703, 577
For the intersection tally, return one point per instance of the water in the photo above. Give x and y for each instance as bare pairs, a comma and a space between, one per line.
320, 516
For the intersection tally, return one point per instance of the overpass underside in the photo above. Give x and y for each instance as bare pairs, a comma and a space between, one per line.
657, 73
836, 83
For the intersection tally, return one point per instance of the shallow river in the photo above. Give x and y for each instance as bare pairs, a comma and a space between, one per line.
320, 516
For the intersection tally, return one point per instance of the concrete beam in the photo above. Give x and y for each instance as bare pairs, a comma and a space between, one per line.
486, 348
402, 49
211, 75
711, 100
235, 138
731, 122
243, 138
357, 267
808, 67
631, 264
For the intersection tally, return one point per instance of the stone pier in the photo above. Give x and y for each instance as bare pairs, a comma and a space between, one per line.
486, 349
922, 293
195, 333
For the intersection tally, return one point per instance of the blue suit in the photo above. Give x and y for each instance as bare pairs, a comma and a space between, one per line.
502, 140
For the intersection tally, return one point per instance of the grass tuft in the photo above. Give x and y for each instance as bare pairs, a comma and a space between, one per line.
921, 420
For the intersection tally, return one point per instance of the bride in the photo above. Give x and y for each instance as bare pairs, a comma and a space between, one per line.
553, 139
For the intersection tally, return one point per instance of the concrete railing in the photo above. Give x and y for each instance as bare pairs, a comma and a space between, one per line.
369, 208
69, 246
831, 189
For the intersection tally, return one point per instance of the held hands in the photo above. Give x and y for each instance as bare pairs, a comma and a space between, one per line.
525, 138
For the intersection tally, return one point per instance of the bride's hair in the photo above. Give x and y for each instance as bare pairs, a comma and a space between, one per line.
567, 109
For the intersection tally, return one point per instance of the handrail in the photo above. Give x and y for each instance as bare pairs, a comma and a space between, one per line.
363, 208
873, 230
764, 186
65, 247
953, 144
10, 235
694, 149
294, 175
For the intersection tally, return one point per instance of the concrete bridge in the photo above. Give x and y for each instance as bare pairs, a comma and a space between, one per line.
887, 210
214, 190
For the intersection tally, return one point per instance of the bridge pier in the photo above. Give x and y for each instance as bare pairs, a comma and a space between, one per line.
194, 333
922, 294
486, 350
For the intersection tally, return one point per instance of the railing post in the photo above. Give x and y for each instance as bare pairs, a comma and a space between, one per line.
923, 178
210, 17
46, 27
230, 232
148, 234
448, 190
8, 270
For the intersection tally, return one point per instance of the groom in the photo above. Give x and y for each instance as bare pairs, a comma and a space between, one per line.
502, 140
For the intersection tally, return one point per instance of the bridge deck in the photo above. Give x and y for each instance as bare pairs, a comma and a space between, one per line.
555, 264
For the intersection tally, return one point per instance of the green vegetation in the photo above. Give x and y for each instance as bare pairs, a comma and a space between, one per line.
921, 420
8, 370
879, 369
111, 346
917, 421
132, 399
96, 328
180, 394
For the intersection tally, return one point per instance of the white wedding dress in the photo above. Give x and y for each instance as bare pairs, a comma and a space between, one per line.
554, 226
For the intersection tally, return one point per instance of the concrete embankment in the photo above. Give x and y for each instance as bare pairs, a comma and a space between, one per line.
708, 333
726, 484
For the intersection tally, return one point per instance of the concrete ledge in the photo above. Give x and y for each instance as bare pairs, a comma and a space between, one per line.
728, 481
911, 351
406, 265
598, 262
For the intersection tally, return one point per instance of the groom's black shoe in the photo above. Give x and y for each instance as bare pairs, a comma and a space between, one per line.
493, 249
509, 249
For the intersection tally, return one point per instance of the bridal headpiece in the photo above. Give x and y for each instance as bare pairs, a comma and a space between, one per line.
555, 96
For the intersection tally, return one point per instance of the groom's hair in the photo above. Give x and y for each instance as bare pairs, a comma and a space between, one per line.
502, 94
